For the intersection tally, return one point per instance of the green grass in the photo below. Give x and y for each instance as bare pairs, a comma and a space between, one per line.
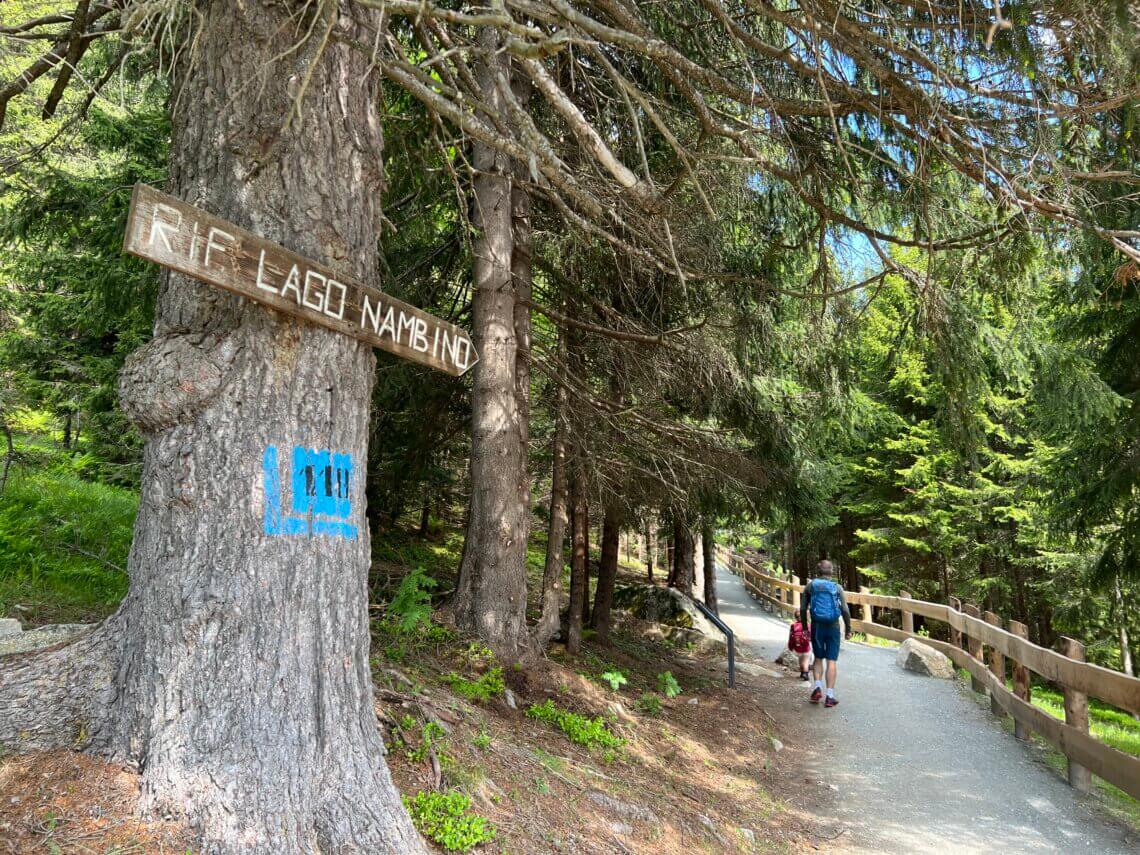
873, 640
1107, 724
63, 545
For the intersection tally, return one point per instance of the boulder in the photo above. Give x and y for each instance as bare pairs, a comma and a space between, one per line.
673, 614
789, 660
10, 626
922, 659
43, 636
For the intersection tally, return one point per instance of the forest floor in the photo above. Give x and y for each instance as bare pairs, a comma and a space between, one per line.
702, 770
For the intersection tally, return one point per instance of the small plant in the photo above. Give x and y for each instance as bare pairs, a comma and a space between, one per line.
649, 704
411, 606
478, 655
481, 689
447, 819
668, 684
616, 679
590, 732
482, 740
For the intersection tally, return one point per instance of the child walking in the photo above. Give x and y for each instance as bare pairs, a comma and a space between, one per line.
799, 642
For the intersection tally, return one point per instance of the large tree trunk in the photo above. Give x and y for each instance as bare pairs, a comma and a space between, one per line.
684, 563
708, 546
578, 561
235, 673
607, 571
490, 597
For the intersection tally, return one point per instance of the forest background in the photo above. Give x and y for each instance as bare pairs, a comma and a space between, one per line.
959, 423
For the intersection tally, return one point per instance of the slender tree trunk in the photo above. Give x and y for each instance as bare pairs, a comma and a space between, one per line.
1122, 631
556, 533
708, 546
9, 454
235, 673
650, 550
67, 431
670, 562
607, 571
586, 541
490, 596
578, 561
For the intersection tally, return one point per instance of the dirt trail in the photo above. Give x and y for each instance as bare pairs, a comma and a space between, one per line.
915, 765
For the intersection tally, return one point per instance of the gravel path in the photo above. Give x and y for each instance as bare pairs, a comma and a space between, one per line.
919, 765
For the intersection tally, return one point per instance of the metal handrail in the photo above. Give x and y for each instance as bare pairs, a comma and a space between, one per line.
729, 637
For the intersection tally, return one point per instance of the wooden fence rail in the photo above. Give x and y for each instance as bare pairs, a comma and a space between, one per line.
970, 634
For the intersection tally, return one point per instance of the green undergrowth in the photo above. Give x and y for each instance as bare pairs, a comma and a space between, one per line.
63, 540
873, 640
590, 732
446, 818
438, 557
481, 689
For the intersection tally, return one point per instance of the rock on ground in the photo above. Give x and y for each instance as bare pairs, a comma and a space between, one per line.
789, 660
10, 626
757, 670
624, 810
922, 659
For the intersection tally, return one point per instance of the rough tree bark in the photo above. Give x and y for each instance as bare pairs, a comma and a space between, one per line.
578, 560
708, 546
235, 673
490, 596
607, 571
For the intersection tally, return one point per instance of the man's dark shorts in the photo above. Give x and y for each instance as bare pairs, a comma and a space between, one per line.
825, 640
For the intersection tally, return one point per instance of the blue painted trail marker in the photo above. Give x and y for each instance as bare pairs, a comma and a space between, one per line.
319, 498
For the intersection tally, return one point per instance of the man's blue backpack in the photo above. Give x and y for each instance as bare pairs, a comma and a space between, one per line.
824, 601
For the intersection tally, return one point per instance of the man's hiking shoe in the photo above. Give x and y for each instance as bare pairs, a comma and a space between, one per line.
831, 702
816, 694
804, 675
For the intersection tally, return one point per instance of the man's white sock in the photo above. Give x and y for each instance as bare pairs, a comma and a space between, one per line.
831, 693
819, 684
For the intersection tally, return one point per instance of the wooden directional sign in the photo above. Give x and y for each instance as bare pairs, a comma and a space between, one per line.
166, 230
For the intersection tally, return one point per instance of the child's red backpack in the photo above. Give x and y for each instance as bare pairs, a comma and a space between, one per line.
798, 639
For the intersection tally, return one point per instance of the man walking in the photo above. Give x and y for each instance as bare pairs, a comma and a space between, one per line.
823, 598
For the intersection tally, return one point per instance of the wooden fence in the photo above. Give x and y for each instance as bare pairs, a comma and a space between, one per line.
971, 636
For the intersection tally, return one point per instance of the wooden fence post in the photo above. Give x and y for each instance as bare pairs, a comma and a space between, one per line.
1076, 715
997, 665
1020, 679
974, 645
956, 634
907, 615
868, 615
